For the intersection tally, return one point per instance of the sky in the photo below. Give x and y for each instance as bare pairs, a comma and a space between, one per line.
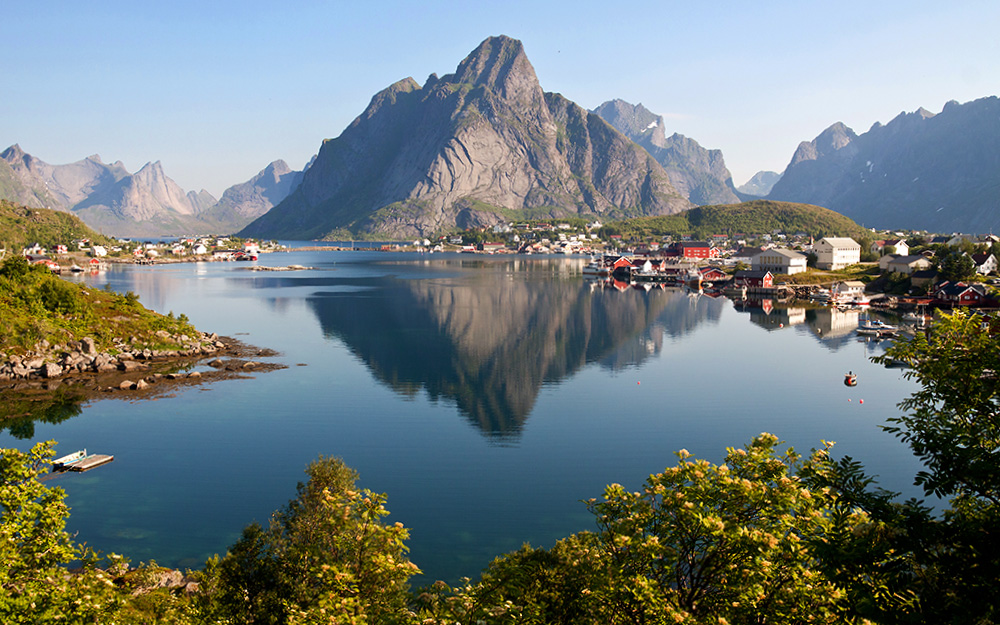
217, 90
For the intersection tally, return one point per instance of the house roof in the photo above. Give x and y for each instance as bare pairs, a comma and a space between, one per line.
840, 241
747, 273
784, 251
908, 260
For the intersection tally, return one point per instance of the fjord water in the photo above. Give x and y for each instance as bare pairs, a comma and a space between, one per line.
486, 396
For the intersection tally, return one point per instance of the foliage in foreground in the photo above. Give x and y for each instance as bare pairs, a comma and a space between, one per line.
767, 536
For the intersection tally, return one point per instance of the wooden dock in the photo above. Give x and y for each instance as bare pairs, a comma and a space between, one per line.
90, 462
81, 461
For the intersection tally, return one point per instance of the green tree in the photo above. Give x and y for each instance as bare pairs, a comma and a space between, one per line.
721, 543
35, 549
955, 265
327, 557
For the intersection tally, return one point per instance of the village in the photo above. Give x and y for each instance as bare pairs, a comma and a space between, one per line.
901, 271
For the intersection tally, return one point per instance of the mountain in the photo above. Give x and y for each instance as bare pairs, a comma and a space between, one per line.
244, 202
147, 203
471, 148
760, 185
924, 171
698, 174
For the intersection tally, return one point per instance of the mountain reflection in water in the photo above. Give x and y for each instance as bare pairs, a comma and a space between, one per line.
490, 343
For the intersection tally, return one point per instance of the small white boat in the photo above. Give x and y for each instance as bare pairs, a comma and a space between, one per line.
875, 327
596, 268
76, 456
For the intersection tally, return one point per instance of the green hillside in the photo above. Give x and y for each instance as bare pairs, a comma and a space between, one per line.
756, 217
21, 226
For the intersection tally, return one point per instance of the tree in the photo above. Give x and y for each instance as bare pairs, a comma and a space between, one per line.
956, 266
327, 557
35, 549
721, 543
953, 420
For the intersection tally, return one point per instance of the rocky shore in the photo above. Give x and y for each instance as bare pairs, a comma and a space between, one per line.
78, 371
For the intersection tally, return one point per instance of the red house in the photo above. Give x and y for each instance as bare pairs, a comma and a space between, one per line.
712, 274
754, 279
960, 294
696, 249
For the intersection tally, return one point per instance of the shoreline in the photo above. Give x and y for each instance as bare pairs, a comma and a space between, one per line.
130, 375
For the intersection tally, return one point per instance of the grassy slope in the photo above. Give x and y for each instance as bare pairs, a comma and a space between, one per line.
21, 227
755, 217
37, 306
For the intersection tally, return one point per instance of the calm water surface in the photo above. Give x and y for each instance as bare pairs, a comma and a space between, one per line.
485, 396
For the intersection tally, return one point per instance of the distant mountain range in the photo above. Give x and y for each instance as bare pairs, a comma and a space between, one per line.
147, 203
760, 185
923, 171
486, 144
698, 174
474, 148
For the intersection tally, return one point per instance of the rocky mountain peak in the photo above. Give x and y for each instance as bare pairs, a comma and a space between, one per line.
831, 140
500, 64
633, 120
13, 153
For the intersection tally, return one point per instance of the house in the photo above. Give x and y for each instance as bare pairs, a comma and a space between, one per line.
960, 294
906, 264
712, 274
836, 252
899, 247
779, 260
985, 263
200, 249
923, 277
695, 249
492, 247
754, 279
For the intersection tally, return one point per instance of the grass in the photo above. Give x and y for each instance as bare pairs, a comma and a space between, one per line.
37, 306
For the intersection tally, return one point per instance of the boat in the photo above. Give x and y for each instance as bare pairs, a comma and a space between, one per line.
596, 268
62, 463
875, 327
76, 268
80, 461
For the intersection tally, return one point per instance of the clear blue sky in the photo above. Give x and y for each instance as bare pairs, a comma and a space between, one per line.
217, 90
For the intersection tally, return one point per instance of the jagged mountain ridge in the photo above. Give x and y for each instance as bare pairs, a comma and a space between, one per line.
462, 149
148, 203
698, 174
760, 184
934, 172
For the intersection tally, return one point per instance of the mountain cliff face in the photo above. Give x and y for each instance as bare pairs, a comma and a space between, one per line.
458, 150
698, 174
924, 171
760, 185
242, 203
148, 203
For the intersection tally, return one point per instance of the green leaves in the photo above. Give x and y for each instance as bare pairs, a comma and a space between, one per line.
729, 541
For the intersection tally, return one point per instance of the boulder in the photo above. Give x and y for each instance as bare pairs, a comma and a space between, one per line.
51, 370
88, 346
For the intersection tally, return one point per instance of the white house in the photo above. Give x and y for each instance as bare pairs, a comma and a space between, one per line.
899, 247
836, 252
985, 263
779, 260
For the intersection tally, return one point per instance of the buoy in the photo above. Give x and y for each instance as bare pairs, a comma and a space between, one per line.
861, 401
638, 383
850, 379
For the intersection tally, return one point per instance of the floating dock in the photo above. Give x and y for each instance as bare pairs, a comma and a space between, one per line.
80, 461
